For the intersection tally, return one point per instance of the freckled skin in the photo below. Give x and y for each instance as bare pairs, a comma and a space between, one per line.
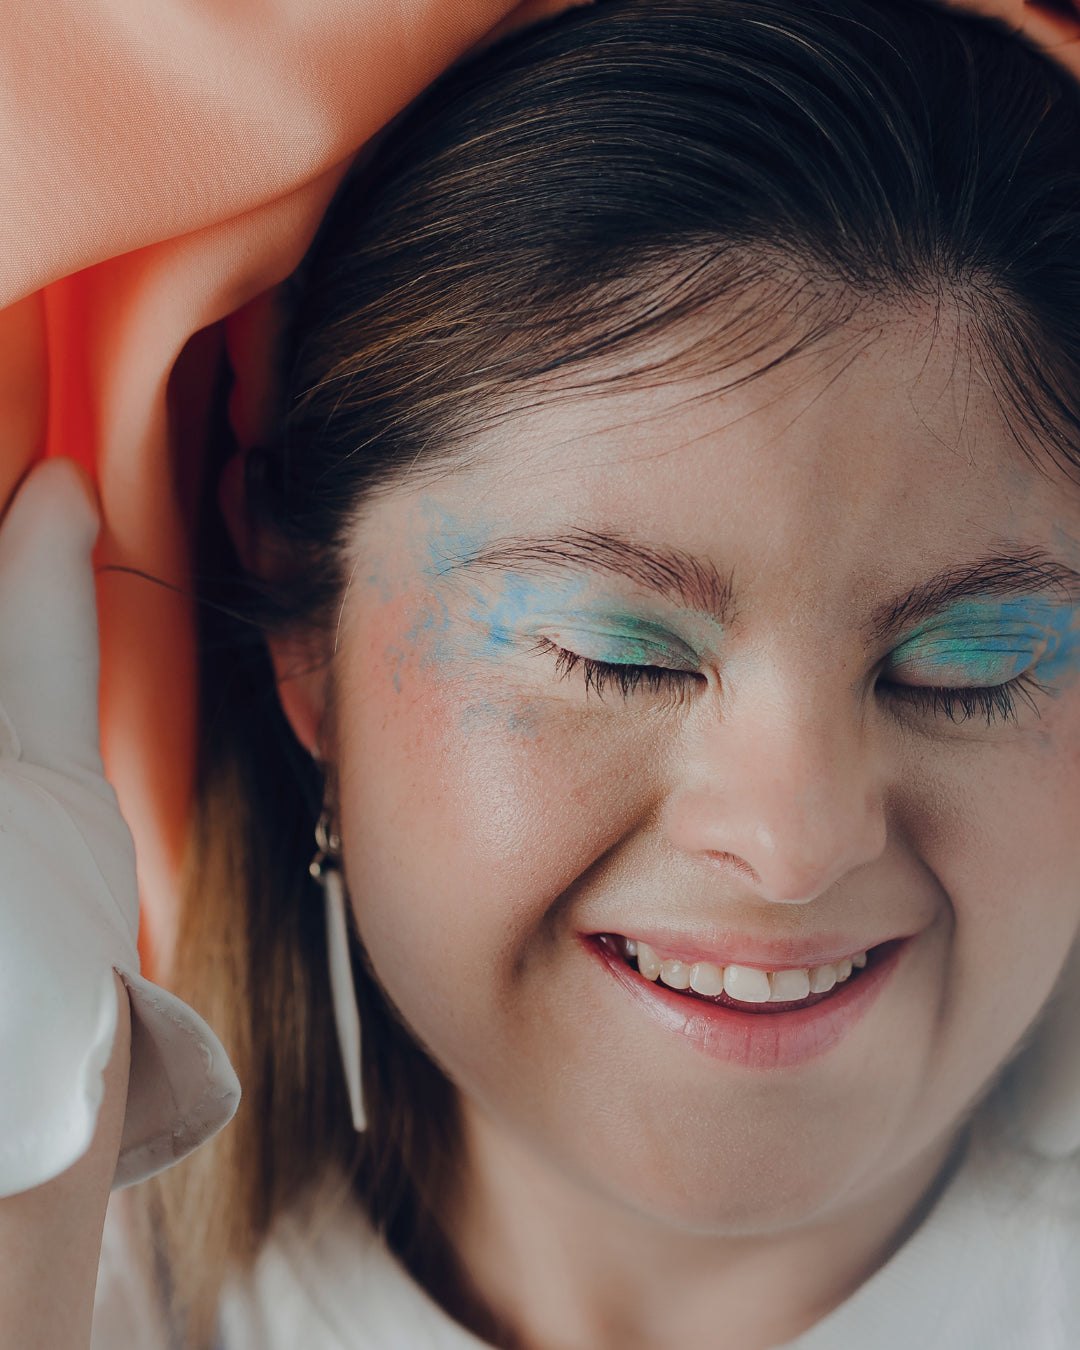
492, 810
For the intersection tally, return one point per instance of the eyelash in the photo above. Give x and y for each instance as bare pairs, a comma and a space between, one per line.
996, 703
626, 678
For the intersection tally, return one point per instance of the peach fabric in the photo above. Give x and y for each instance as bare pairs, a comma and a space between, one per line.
163, 165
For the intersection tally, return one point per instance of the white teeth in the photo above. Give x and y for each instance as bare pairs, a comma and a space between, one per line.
747, 984
675, 974
706, 979
648, 963
789, 984
822, 979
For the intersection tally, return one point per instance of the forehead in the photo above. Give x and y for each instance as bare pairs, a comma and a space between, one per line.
881, 452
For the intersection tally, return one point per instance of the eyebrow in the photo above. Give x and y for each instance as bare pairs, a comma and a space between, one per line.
686, 580
1019, 572
695, 583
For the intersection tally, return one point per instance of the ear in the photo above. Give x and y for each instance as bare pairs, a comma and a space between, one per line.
300, 663
301, 669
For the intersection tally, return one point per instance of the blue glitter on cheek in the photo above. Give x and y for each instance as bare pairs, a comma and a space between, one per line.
424, 643
488, 715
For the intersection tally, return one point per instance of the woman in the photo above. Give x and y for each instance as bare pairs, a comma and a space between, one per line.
668, 568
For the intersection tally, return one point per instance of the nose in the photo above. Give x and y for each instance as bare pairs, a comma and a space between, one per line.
792, 798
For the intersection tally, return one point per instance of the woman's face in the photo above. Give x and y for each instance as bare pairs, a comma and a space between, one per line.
817, 572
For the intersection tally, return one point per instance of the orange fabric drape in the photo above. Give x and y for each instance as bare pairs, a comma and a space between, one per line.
163, 163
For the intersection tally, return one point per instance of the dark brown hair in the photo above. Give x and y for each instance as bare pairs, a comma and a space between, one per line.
769, 169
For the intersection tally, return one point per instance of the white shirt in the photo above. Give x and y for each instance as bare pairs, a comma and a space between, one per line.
995, 1265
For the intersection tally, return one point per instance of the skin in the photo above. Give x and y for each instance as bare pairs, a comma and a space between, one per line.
620, 1187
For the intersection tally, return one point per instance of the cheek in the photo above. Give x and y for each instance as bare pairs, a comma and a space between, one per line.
470, 806
998, 828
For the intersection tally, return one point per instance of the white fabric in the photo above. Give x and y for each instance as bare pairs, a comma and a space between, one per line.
994, 1266
68, 901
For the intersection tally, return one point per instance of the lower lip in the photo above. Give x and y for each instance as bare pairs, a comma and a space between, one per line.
776, 1040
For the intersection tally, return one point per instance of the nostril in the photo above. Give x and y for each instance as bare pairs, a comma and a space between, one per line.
734, 863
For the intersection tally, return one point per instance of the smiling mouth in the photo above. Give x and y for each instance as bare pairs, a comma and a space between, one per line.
746, 988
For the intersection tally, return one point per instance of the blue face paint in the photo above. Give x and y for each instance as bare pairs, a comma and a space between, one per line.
448, 542
445, 543
980, 643
469, 618
486, 713
519, 602
596, 629
625, 640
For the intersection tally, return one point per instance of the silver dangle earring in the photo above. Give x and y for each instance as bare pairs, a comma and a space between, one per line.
326, 869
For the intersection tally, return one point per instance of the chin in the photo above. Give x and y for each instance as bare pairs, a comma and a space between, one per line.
734, 1181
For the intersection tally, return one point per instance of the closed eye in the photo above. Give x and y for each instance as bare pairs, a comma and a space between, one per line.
994, 703
627, 679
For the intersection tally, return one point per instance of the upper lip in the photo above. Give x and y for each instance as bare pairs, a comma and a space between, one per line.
739, 949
